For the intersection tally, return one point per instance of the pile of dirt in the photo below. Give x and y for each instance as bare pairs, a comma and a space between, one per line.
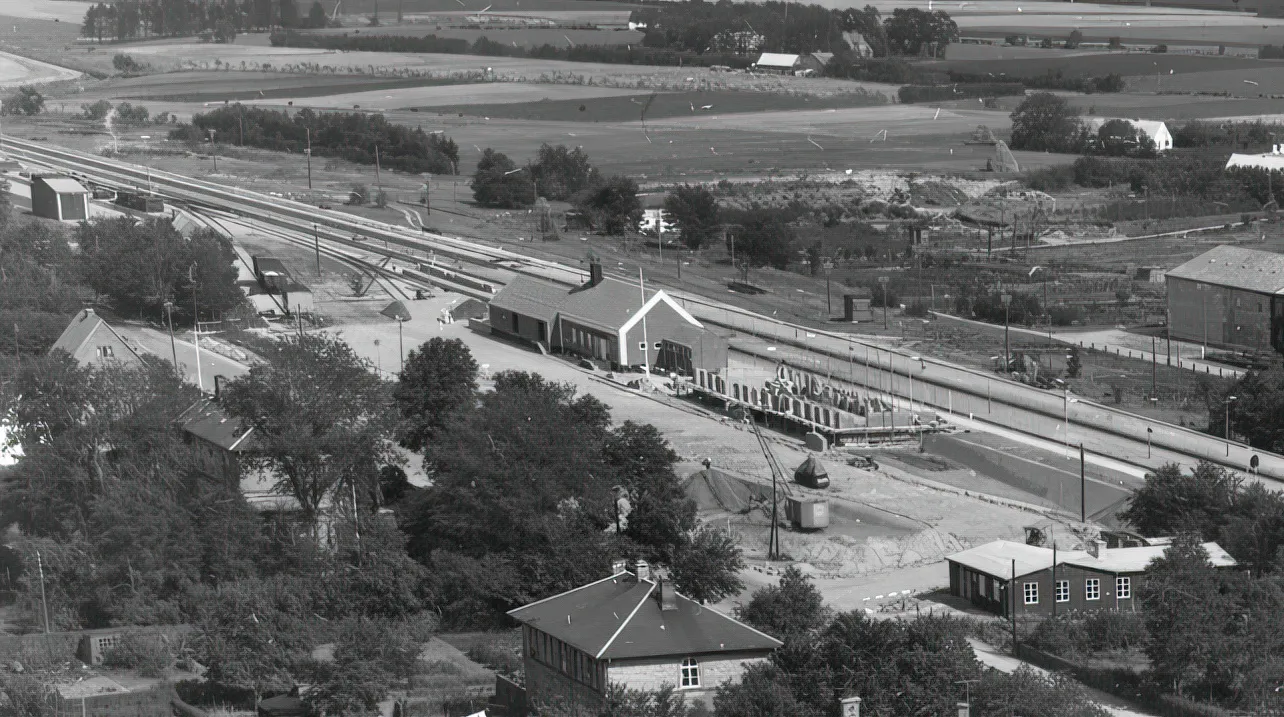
843, 556
935, 193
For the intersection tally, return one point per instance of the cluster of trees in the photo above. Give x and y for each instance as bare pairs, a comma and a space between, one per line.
1047, 122
133, 267
222, 19
701, 28
699, 33
896, 666
353, 136
987, 305
1202, 133
526, 501
609, 203
26, 100
125, 113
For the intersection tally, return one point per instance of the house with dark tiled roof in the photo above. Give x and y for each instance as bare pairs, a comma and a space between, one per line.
91, 340
1229, 297
609, 321
634, 630
218, 441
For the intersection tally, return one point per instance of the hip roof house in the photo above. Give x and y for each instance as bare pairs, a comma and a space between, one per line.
631, 629
1228, 296
606, 320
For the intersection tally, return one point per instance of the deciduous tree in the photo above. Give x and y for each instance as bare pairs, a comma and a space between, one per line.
1045, 122
695, 210
439, 380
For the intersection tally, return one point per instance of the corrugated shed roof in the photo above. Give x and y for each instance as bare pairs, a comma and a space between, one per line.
63, 185
1249, 269
620, 617
1135, 560
207, 420
530, 297
607, 306
776, 59
995, 558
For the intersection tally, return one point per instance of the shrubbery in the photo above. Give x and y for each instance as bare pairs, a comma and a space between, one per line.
1076, 635
349, 135
943, 93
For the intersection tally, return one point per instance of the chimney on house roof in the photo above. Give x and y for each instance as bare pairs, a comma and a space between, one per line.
218, 384
1101, 548
667, 598
851, 706
964, 709
595, 271
642, 570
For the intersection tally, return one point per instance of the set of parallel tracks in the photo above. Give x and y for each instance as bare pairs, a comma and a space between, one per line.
292, 219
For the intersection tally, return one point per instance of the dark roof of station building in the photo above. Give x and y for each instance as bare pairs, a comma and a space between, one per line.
530, 297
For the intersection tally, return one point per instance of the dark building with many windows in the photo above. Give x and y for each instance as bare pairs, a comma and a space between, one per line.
630, 629
1229, 297
1094, 579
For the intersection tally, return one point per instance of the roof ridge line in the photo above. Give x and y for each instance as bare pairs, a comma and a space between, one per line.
625, 622
567, 592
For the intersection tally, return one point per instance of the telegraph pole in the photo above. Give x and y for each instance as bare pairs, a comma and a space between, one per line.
1083, 488
309, 153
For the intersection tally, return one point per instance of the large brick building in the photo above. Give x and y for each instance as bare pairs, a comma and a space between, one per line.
1094, 579
1229, 297
630, 629
607, 320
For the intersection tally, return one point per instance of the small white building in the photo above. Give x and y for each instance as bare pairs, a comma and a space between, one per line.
1273, 160
777, 63
1157, 131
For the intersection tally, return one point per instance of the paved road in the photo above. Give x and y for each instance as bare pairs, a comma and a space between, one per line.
212, 364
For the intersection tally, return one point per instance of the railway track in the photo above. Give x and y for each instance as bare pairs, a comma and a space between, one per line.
1103, 429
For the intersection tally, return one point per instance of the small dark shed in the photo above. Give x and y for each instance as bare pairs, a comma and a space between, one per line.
812, 474
61, 198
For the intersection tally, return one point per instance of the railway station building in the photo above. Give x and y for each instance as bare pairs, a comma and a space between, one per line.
1229, 297
60, 198
607, 321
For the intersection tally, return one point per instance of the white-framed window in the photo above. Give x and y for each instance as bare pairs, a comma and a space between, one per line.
690, 672
1063, 591
641, 346
1031, 593
1123, 588
1092, 589
105, 352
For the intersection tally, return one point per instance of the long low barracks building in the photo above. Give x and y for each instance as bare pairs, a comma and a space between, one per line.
1099, 578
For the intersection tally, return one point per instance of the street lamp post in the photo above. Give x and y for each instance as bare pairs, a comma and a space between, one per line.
1228, 401
173, 347
196, 325
214, 151
883, 280
1007, 357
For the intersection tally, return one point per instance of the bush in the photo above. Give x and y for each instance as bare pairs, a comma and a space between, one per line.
498, 657
1078, 635
1160, 48
358, 195
1066, 315
96, 112
26, 101
1055, 178
944, 93
149, 655
126, 64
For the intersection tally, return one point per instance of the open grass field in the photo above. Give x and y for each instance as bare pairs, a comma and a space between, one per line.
1239, 82
664, 106
482, 97
524, 37
51, 40
61, 10
1159, 107
1124, 63
234, 86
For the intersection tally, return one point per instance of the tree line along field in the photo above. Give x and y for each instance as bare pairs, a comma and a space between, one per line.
524, 37
1123, 63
